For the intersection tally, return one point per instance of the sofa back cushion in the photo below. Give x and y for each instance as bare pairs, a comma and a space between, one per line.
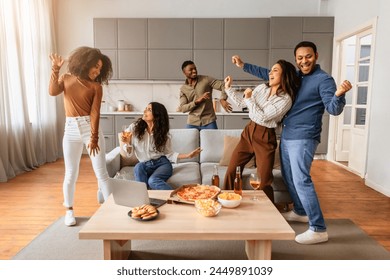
185, 140
212, 143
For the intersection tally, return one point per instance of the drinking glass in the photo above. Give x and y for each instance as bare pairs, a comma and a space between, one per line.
255, 184
126, 135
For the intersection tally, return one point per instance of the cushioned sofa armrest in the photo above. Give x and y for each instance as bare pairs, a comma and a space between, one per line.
113, 161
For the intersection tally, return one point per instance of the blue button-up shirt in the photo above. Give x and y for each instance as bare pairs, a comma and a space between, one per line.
317, 93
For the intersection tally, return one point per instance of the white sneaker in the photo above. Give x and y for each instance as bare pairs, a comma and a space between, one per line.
291, 216
100, 197
70, 220
311, 237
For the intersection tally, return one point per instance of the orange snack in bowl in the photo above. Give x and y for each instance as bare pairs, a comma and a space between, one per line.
229, 196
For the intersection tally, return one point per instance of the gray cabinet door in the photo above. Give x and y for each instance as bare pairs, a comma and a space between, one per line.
113, 55
132, 64
176, 121
235, 122
257, 57
209, 62
170, 33
105, 31
106, 124
285, 32
132, 33
246, 33
318, 24
276, 54
166, 64
208, 34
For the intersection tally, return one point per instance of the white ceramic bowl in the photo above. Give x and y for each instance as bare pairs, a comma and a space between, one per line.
229, 200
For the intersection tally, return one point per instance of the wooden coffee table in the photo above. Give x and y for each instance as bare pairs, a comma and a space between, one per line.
256, 222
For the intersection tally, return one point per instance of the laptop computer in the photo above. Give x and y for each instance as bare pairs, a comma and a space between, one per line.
132, 193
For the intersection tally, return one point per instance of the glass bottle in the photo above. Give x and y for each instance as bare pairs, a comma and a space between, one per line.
238, 181
215, 178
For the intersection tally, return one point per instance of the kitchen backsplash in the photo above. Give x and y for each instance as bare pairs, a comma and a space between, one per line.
139, 94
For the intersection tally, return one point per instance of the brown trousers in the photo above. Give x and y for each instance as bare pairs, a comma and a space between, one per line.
259, 141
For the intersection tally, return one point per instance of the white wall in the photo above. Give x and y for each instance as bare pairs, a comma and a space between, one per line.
350, 14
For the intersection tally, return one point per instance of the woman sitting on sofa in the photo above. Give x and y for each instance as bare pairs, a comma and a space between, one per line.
151, 143
267, 105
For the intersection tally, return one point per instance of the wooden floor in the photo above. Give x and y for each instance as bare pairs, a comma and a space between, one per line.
32, 201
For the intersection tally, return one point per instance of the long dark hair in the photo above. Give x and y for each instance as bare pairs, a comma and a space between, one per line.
289, 82
84, 58
160, 126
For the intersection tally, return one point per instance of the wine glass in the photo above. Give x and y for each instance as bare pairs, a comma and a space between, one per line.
255, 184
126, 135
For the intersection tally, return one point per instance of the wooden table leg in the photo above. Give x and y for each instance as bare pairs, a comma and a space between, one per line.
258, 249
116, 249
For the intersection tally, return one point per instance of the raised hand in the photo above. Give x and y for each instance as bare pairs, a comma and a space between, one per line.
56, 60
343, 88
237, 61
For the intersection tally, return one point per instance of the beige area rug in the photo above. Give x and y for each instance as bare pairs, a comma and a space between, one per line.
347, 242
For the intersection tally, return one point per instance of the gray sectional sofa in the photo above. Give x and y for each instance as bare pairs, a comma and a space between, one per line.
199, 169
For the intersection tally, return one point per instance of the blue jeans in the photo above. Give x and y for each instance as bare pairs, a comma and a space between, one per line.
296, 160
212, 125
154, 173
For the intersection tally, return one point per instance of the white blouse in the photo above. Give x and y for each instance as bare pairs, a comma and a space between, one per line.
145, 149
263, 110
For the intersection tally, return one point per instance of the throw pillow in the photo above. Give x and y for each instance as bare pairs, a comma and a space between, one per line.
125, 159
229, 144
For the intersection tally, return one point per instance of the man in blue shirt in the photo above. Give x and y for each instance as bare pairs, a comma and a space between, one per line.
301, 135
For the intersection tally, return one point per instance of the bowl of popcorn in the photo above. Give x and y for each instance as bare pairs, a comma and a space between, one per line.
207, 207
229, 199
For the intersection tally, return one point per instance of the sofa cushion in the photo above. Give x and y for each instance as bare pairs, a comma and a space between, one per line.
211, 142
229, 144
185, 173
185, 141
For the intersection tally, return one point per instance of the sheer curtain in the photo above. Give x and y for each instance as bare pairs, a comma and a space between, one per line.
28, 136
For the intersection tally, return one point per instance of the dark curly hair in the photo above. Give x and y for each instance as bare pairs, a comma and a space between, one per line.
82, 59
289, 81
160, 126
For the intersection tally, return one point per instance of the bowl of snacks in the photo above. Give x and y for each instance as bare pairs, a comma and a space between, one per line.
229, 200
207, 207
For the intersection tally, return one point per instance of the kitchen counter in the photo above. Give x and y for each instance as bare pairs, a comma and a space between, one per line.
124, 113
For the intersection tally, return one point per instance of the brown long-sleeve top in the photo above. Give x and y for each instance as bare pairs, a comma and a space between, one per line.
81, 98
203, 113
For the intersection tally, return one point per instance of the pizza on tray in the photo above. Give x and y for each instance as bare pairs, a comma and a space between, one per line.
194, 192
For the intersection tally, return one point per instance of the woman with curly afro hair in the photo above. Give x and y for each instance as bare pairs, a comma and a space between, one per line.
88, 69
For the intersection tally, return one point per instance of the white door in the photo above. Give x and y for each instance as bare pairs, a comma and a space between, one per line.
352, 127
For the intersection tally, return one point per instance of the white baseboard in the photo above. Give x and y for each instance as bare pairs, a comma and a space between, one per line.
378, 188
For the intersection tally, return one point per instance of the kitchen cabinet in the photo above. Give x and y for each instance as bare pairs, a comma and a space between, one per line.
235, 121
178, 121
105, 32
132, 33
166, 64
257, 57
106, 124
246, 33
173, 33
208, 62
208, 34
132, 64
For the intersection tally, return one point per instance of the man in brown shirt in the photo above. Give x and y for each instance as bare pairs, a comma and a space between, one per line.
196, 98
